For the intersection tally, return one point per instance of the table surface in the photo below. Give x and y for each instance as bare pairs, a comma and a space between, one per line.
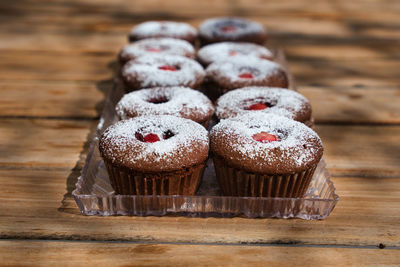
56, 60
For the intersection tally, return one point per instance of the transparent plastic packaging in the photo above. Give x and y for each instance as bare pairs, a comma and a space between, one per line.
95, 196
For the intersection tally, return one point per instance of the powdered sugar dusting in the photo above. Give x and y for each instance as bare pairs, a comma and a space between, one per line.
284, 102
158, 46
179, 101
229, 50
298, 145
231, 69
214, 27
163, 28
146, 71
119, 142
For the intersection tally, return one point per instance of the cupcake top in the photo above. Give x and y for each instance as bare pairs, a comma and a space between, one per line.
228, 50
155, 143
162, 71
156, 46
246, 71
178, 101
151, 29
231, 29
266, 144
264, 100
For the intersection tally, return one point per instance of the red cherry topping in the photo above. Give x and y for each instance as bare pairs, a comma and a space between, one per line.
151, 138
264, 137
233, 53
152, 49
246, 75
168, 68
257, 106
228, 28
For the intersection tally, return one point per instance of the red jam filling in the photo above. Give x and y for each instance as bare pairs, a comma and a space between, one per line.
264, 137
246, 75
257, 106
151, 138
154, 50
168, 68
233, 53
228, 28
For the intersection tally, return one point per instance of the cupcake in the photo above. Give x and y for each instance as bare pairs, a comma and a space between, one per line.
155, 155
223, 76
229, 50
156, 46
171, 29
178, 101
264, 156
266, 101
162, 71
231, 29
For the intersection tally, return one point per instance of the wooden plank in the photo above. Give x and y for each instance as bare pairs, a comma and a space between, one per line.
352, 150
53, 98
381, 73
339, 52
378, 73
102, 34
44, 143
361, 150
353, 105
123, 254
36, 204
49, 66
195, 8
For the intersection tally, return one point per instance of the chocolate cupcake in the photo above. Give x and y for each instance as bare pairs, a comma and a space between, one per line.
178, 101
229, 50
264, 156
171, 29
231, 29
162, 71
264, 100
156, 46
155, 155
223, 76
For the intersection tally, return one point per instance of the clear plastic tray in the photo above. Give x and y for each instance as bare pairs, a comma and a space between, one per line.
95, 196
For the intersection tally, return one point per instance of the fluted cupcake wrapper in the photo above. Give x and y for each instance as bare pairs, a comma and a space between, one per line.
126, 181
236, 182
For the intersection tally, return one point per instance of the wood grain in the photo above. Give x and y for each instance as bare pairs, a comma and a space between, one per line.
42, 253
35, 143
57, 59
55, 99
378, 73
361, 150
353, 105
52, 99
353, 150
36, 204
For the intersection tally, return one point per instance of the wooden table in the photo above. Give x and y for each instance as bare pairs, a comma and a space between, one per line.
56, 61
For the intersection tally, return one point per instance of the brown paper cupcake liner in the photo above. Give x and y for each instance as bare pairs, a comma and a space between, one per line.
126, 181
236, 182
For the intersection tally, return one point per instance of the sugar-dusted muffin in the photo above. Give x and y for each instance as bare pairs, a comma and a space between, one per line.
152, 29
156, 46
178, 101
264, 156
265, 100
224, 76
162, 71
155, 155
229, 50
231, 29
